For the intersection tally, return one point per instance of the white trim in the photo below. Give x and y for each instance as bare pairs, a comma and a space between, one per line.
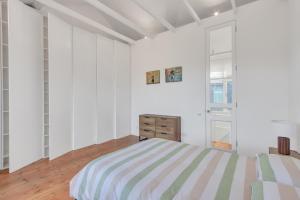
115, 68
192, 11
84, 19
100, 6
156, 16
233, 4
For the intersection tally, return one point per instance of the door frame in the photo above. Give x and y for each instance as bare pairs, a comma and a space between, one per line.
234, 83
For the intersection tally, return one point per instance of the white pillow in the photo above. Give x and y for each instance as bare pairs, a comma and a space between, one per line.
278, 168
271, 190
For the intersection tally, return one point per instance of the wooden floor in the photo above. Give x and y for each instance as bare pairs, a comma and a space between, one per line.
50, 179
222, 145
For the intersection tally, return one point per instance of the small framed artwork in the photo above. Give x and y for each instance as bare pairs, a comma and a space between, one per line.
173, 74
153, 77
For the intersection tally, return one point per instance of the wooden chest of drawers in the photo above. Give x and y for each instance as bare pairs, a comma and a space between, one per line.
160, 126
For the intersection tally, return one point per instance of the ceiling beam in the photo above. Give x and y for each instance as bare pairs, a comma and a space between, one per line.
67, 11
233, 5
156, 16
192, 11
100, 6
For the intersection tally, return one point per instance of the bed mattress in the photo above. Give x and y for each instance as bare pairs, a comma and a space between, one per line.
162, 169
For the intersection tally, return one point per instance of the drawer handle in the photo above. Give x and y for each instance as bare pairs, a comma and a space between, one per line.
147, 124
146, 130
147, 117
164, 133
163, 126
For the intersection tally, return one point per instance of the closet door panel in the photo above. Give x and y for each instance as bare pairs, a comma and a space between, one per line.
123, 89
60, 87
25, 85
105, 89
85, 92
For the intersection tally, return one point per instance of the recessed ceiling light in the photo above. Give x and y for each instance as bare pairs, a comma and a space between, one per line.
216, 13
146, 38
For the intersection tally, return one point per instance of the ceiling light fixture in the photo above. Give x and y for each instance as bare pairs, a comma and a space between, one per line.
216, 13
146, 38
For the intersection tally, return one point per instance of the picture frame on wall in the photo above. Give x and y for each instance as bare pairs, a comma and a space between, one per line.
153, 77
173, 74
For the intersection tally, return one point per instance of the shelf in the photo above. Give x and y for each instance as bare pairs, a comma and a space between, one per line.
5, 111
6, 156
5, 89
5, 134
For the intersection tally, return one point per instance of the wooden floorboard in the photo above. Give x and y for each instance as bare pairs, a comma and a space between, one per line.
49, 180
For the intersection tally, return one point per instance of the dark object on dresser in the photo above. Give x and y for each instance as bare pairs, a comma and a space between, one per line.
160, 126
283, 145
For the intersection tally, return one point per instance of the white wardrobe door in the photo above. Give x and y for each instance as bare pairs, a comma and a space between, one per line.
60, 87
85, 92
123, 89
105, 89
25, 85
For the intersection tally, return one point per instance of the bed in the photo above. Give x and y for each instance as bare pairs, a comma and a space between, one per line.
163, 169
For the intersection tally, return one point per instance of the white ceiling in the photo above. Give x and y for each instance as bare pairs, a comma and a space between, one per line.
173, 11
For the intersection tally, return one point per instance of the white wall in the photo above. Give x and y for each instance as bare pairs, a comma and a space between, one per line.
105, 89
186, 99
60, 87
262, 46
123, 89
25, 85
295, 60
262, 88
85, 88
294, 94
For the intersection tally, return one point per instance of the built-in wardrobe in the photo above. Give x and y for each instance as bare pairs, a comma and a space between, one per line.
66, 87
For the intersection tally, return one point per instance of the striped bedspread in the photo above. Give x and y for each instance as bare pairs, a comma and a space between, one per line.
162, 169
278, 168
274, 191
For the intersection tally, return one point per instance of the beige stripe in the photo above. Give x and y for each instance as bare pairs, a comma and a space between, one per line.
132, 167
204, 178
113, 157
250, 177
292, 169
164, 173
287, 192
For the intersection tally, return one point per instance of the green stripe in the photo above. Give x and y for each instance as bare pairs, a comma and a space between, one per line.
257, 192
185, 174
266, 169
120, 163
226, 182
130, 185
89, 166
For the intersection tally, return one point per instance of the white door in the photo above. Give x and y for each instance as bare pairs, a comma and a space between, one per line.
25, 85
85, 88
105, 89
60, 87
221, 83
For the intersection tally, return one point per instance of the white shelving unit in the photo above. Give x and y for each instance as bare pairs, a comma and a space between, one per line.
4, 152
46, 90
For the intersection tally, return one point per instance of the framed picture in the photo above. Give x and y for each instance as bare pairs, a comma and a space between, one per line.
153, 77
173, 74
